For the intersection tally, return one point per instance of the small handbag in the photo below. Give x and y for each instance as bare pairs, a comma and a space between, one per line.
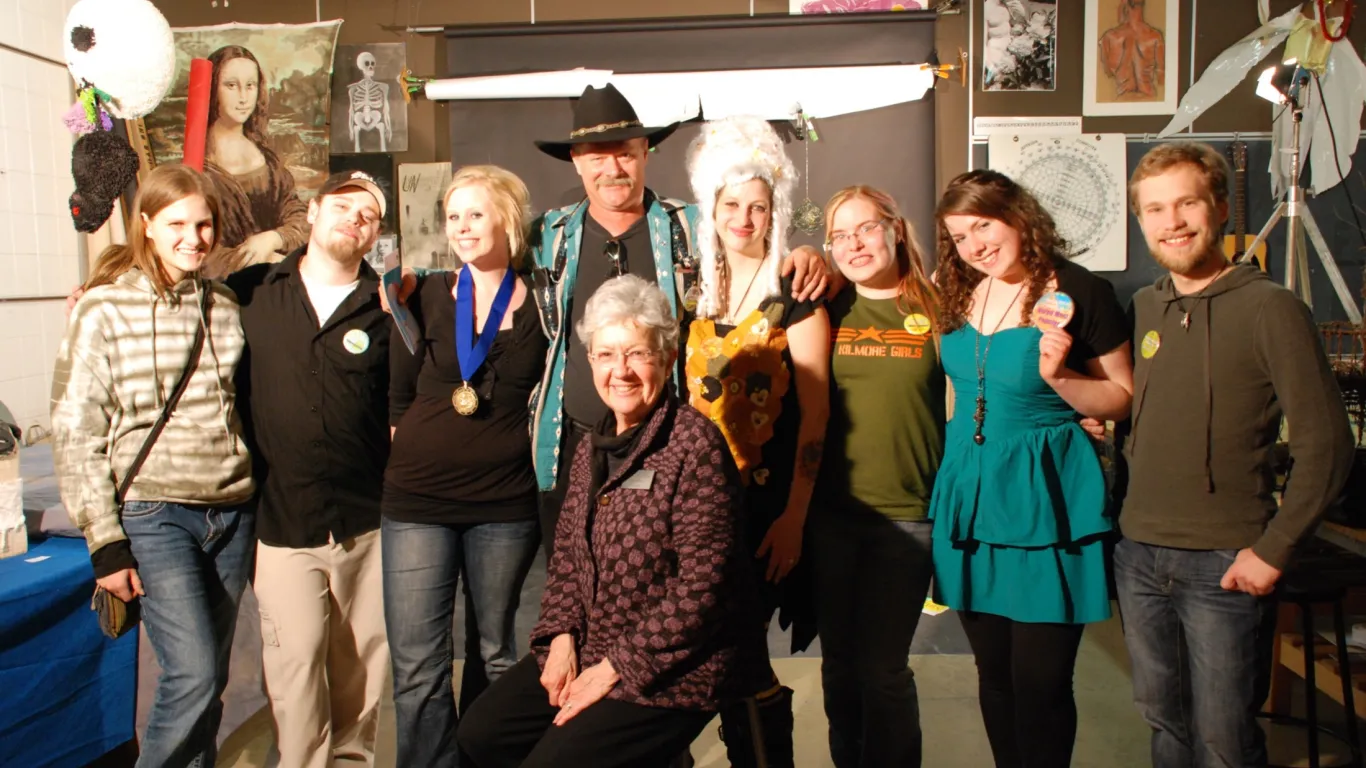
115, 616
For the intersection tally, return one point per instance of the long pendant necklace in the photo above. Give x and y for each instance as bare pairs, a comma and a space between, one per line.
730, 313
979, 356
1196, 297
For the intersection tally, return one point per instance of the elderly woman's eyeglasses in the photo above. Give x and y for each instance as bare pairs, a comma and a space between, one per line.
612, 250
610, 358
863, 232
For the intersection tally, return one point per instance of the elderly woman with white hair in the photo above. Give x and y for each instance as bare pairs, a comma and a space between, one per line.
758, 366
648, 621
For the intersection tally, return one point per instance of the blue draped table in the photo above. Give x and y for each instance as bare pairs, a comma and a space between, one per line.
67, 693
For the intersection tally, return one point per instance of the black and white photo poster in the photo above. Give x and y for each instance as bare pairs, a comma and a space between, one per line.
1020, 45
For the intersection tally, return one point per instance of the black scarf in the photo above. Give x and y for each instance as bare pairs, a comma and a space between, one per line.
610, 449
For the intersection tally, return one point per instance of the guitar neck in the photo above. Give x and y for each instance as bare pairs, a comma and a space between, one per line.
1240, 206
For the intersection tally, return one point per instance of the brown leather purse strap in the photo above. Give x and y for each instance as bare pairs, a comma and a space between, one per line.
196, 348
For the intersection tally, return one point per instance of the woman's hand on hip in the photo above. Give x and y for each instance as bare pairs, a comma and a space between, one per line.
561, 668
124, 584
588, 689
783, 545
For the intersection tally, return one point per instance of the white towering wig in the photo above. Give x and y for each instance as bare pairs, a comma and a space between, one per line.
728, 153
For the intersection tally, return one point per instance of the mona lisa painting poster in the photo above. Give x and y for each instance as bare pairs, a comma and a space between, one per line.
266, 152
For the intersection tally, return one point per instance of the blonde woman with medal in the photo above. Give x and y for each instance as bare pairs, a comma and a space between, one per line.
757, 364
460, 493
1030, 342
869, 537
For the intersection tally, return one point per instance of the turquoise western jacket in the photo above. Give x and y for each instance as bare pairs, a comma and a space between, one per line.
556, 237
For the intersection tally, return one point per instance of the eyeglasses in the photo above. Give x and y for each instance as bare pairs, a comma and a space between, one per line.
612, 250
609, 358
845, 239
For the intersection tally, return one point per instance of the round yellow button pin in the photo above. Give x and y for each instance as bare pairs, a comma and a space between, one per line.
917, 324
1150, 344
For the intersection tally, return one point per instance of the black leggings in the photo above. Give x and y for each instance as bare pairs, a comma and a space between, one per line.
1024, 685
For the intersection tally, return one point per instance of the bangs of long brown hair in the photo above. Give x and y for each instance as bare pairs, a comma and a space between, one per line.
993, 195
166, 185
255, 127
915, 291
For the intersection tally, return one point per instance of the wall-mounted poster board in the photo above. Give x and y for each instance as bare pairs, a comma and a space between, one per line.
1332, 210
891, 147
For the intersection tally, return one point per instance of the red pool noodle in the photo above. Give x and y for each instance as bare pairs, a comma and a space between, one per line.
197, 112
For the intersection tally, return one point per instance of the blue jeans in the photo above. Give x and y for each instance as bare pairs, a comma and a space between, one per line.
422, 564
1201, 655
871, 578
194, 562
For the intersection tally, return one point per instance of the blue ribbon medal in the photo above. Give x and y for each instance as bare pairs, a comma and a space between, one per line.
469, 352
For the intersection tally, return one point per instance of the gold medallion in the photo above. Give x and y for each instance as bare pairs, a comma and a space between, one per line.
465, 400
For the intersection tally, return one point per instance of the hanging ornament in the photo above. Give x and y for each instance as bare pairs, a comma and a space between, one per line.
807, 217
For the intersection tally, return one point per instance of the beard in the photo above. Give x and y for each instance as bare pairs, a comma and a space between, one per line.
343, 249
1205, 249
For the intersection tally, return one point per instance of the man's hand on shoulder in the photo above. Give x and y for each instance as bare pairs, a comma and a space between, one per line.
1250, 574
406, 286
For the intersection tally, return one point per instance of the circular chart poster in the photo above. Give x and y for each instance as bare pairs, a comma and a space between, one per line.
1080, 180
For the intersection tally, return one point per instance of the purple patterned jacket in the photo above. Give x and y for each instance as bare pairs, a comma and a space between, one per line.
664, 589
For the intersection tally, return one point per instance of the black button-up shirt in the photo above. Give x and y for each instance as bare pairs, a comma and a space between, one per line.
316, 403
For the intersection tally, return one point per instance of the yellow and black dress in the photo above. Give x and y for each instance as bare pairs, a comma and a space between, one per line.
741, 378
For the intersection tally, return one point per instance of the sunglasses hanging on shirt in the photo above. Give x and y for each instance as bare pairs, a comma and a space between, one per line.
613, 251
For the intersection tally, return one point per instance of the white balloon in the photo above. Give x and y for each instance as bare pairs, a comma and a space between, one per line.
129, 52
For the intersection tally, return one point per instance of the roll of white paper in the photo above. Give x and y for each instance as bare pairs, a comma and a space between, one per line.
534, 85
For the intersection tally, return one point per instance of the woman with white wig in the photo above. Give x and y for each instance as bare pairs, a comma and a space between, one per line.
758, 366
648, 617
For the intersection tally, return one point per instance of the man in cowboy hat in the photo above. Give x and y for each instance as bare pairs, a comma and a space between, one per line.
620, 226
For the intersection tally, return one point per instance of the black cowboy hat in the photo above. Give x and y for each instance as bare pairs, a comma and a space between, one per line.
603, 115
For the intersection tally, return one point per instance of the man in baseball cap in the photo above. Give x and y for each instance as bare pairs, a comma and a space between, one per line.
354, 179
314, 387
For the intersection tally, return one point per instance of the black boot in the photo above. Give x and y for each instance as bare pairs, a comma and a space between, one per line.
757, 730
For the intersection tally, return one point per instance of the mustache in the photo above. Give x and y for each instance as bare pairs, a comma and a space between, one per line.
614, 181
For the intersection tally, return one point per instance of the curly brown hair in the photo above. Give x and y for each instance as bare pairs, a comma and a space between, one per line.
993, 195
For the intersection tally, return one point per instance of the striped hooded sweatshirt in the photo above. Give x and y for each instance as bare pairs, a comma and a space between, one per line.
125, 347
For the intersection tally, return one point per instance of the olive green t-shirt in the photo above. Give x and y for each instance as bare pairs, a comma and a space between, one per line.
886, 431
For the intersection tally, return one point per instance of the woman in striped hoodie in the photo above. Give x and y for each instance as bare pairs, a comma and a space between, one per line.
180, 536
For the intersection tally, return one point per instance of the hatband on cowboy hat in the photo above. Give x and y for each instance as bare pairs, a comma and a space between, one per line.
603, 115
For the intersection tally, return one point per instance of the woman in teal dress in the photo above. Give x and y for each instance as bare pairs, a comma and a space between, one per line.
1019, 508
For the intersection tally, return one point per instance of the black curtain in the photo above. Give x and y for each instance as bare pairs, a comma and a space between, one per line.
891, 148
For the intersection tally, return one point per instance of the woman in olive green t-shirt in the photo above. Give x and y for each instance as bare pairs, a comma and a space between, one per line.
869, 538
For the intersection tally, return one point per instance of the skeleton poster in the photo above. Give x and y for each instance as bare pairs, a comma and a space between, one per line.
1130, 66
1019, 45
368, 111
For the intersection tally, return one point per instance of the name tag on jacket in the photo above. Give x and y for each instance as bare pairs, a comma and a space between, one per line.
640, 481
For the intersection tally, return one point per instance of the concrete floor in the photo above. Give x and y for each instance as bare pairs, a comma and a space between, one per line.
1110, 734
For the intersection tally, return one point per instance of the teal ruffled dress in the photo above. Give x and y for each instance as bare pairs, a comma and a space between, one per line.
1019, 521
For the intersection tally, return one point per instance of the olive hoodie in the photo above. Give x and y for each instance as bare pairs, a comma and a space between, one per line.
1208, 400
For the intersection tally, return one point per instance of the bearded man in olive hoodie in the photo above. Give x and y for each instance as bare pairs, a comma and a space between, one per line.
1221, 354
